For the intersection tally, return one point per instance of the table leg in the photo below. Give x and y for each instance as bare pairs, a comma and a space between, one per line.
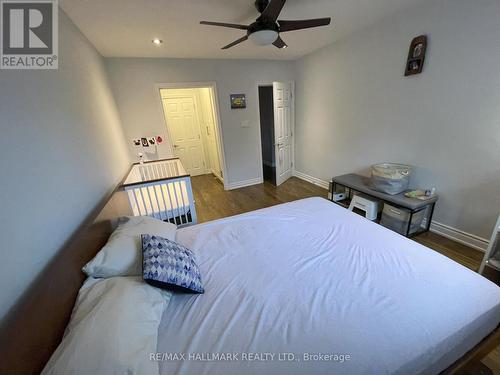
429, 219
409, 225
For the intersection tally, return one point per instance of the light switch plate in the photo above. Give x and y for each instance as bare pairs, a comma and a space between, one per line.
245, 124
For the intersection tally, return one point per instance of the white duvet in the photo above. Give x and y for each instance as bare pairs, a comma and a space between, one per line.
290, 282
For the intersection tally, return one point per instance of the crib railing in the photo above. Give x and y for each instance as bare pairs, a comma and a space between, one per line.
161, 189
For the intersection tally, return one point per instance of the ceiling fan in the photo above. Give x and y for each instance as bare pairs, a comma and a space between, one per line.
267, 28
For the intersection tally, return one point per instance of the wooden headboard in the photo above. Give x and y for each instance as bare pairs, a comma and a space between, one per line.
33, 329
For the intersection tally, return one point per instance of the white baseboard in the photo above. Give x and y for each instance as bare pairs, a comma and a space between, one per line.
454, 234
217, 176
240, 184
460, 236
312, 180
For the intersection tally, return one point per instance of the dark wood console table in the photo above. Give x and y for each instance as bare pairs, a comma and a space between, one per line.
361, 184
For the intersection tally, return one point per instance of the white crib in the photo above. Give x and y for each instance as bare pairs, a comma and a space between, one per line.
161, 189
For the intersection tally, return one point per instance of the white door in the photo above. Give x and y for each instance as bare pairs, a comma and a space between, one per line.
184, 127
282, 96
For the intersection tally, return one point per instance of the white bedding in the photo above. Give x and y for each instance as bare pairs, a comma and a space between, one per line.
312, 277
113, 329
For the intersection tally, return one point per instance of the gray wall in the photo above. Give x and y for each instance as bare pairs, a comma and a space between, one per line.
355, 105
134, 80
62, 151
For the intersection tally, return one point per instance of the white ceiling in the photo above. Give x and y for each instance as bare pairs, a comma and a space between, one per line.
125, 28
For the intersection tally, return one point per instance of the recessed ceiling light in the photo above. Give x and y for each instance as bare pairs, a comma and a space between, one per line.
157, 42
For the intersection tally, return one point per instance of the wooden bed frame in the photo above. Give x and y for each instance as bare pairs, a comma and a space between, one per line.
475, 355
33, 329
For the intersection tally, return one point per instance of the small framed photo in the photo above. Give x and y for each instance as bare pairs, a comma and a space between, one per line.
417, 50
416, 55
238, 101
414, 66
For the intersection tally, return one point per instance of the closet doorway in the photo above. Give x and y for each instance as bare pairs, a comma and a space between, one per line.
191, 118
266, 112
276, 111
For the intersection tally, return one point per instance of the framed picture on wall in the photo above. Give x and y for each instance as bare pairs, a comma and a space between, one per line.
238, 101
416, 55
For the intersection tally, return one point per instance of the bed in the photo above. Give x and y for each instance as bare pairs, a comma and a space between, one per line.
326, 292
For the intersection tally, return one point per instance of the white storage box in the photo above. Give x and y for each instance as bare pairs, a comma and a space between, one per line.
368, 206
397, 219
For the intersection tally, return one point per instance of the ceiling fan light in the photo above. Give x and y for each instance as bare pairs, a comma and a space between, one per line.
264, 37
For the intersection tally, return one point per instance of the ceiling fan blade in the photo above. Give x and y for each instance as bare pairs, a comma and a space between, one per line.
273, 10
221, 24
236, 42
303, 24
280, 43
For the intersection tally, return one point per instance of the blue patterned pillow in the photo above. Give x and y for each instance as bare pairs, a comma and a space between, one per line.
168, 265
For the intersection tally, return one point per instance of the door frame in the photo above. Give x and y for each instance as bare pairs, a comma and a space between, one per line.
216, 108
292, 123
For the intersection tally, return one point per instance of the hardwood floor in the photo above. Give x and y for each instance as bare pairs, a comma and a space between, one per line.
493, 361
462, 254
213, 202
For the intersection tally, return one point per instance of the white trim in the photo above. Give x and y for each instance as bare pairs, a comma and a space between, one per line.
218, 122
240, 184
218, 135
311, 179
460, 236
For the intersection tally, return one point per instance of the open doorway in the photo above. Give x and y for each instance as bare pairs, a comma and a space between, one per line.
194, 133
267, 133
276, 112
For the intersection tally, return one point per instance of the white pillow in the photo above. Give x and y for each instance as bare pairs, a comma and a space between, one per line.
113, 329
122, 255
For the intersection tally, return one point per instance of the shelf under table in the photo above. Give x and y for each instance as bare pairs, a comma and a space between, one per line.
361, 184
